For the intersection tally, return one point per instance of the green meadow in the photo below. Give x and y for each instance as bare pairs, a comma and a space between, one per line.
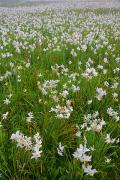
60, 94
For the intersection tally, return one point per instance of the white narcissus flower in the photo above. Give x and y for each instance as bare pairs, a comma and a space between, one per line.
90, 73
109, 140
104, 71
115, 95
89, 102
115, 85
84, 47
63, 111
93, 122
100, 66
100, 93
27, 65
117, 141
106, 84
36, 154
30, 117
85, 158
64, 94
107, 160
93, 148
75, 88
88, 170
98, 124
80, 153
6, 101
105, 60
113, 114
73, 53
78, 133
4, 116
37, 147
39, 75
60, 149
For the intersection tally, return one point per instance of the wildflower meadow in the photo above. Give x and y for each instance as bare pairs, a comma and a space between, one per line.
59, 93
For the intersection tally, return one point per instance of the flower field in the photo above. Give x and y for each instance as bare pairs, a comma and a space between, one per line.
60, 94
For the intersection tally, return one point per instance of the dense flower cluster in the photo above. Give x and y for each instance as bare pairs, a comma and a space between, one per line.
93, 122
27, 143
80, 154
